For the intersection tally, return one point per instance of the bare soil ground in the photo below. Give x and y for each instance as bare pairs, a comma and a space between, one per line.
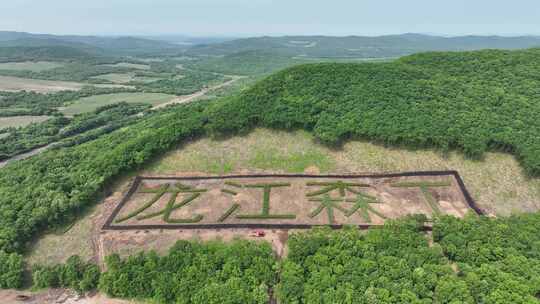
381, 197
34, 66
57, 296
20, 121
8, 83
14, 84
129, 65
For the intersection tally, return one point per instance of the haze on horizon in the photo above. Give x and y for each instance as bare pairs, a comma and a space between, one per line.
272, 17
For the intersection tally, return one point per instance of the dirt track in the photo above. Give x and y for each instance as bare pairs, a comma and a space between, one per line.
192, 97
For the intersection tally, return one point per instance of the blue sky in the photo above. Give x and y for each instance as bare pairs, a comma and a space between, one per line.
271, 17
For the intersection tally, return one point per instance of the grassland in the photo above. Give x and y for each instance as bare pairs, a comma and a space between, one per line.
130, 65
20, 121
37, 66
15, 84
88, 104
116, 77
122, 78
496, 182
8, 83
58, 246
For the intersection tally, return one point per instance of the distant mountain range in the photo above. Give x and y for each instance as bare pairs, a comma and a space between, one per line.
90, 44
288, 46
364, 47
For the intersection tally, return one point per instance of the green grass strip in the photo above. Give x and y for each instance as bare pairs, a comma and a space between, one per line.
266, 217
150, 190
329, 204
266, 201
268, 185
338, 185
228, 213
431, 200
229, 191
159, 193
171, 205
319, 192
317, 211
234, 184
196, 219
421, 184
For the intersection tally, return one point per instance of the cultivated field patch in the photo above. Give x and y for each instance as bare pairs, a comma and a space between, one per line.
20, 121
34, 66
91, 103
8, 83
116, 77
288, 201
15, 84
129, 65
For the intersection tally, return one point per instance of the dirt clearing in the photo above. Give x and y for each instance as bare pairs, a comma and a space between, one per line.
14, 84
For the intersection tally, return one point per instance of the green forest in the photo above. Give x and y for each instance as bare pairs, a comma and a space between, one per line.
472, 260
36, 135
470, 101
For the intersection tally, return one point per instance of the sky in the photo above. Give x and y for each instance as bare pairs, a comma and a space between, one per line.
271, 17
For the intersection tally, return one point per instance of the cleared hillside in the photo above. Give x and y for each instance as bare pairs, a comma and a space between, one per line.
473, 101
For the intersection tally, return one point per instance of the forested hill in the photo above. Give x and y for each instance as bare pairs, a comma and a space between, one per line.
473, 101
364, 47
96, 45
52, 53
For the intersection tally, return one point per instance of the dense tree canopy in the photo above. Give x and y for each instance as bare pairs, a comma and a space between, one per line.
106, 119
396, 264
211, 273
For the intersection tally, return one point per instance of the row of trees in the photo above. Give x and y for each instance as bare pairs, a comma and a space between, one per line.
75, 274
33, 103
70, 72
35, 135
184, 83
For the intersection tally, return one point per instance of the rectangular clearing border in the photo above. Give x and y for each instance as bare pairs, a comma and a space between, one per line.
136, 182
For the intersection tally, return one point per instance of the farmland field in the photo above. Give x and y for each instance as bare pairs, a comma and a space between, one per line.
126, 77
14, 84
37, 66
8, 83
88, 104
130, 65
20, 121
116, 77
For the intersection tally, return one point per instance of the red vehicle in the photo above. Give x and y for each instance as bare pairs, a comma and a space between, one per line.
258, 233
